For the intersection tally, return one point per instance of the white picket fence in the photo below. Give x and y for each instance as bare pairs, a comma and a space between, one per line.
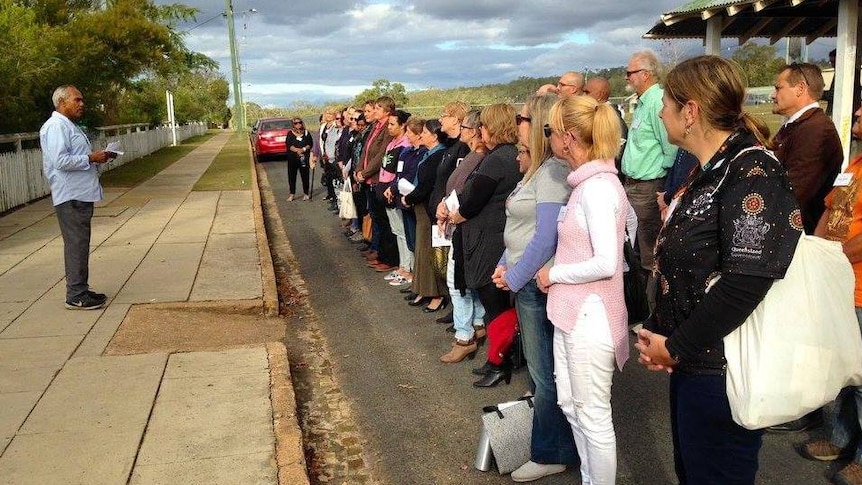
21, 178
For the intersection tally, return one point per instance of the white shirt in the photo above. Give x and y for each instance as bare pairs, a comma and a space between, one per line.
66, 161
795, 116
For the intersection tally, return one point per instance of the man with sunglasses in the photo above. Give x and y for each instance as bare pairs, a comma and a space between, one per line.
807, 144
570, 84
647, 157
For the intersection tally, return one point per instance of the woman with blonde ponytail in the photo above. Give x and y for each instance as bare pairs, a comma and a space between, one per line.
586, 303
730, 232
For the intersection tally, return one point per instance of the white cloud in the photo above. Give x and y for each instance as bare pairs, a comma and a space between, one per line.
314, 50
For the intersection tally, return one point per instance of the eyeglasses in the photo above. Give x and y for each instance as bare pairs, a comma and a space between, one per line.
465, 127
547, 130
632, 73
297, 122
562, 84
520, 119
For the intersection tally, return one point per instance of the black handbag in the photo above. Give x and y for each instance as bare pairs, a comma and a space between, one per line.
634, 286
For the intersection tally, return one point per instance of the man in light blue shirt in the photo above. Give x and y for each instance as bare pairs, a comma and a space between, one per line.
69, 164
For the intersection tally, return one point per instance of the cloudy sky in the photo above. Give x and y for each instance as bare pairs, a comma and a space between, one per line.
319, 50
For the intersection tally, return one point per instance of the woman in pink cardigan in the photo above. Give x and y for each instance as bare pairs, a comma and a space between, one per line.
585, 283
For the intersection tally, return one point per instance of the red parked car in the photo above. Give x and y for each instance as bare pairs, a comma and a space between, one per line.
268, 138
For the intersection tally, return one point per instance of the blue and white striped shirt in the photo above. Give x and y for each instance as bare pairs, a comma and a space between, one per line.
65, 161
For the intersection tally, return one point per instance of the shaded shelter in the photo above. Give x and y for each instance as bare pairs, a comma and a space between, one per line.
712, 20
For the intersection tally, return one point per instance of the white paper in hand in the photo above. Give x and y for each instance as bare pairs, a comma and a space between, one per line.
405, 187
438, 239
114, 147
452, 203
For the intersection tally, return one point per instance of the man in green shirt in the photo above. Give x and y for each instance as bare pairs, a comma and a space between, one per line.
647, 156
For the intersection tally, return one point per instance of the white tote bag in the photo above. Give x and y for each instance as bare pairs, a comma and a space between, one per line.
801, 344
346, 209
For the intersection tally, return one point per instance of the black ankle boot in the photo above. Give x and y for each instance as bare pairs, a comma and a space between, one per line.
494, 376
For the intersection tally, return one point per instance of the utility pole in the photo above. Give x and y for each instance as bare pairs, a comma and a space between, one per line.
239, 109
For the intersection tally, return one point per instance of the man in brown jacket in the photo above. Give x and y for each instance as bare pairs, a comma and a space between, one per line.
807, 144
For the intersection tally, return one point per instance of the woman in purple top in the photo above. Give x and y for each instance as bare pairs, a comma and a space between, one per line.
531, 239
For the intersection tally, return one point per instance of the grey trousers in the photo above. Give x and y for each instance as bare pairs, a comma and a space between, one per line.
75, 217
642, 197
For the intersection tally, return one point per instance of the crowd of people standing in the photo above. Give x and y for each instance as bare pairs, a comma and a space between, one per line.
518, 220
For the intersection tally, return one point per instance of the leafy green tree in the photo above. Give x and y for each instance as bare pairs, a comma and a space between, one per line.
758, 63
47, 43
382, 87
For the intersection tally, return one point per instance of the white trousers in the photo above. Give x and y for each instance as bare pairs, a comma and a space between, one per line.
396, 224
583, 368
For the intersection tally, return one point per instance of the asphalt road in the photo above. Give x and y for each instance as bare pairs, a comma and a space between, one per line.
420, 419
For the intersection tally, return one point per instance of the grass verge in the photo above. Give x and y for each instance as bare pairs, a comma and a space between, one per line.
142, 169
231, 169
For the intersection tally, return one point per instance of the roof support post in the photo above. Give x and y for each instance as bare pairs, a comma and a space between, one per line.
712, 40
845, 70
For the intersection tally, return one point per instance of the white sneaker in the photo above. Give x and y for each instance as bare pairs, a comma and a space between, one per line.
398, 281
533, 471
391, 276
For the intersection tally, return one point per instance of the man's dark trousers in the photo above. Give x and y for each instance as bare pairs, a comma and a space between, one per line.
75, 221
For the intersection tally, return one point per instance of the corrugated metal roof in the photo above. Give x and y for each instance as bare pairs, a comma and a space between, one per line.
749, 19
700, 5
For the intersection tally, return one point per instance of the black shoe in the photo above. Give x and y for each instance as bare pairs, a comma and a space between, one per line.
446, 318
451, 329
84, 302
443, 304
406, 290
364, 247
494, 376
419, 301
410, 296
97, 296
480, 371
808, 421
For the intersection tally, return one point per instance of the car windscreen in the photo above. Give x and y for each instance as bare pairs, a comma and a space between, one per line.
275, 125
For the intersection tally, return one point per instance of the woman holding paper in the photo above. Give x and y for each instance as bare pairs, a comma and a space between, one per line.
482, 215
467, 310
427, 285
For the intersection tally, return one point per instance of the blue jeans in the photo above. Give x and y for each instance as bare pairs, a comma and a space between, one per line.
552, 440
467, 311
843, 416
709, 448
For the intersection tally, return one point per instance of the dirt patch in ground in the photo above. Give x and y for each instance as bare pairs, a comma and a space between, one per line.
189, 327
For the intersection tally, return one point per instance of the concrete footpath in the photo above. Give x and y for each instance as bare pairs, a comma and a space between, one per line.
70, 414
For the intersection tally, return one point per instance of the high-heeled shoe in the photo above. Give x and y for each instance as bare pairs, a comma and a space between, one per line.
419, 301
481, 371
460, 350
442, 305
494, 376
410, 296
